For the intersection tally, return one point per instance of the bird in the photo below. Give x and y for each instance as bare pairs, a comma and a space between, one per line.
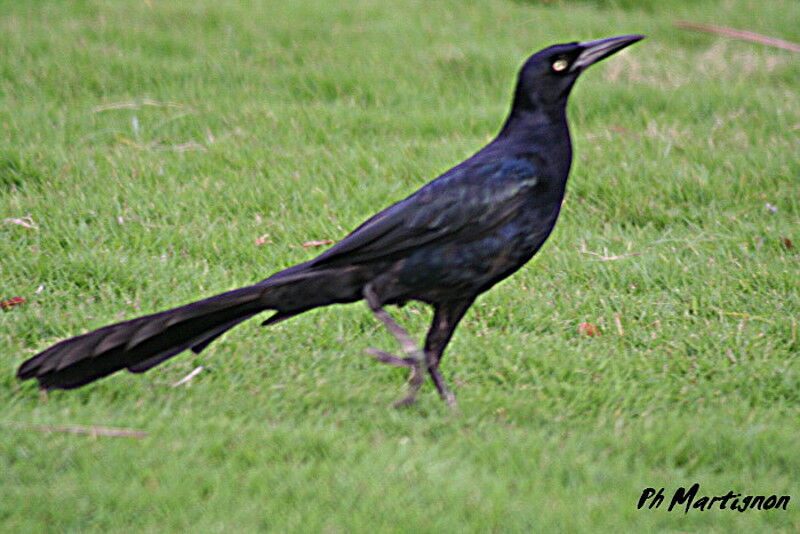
443, 245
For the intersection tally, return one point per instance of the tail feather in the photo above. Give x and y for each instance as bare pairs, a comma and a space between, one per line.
210, 336
140, 344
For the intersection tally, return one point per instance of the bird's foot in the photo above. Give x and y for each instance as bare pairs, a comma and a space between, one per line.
416, 377
415, 359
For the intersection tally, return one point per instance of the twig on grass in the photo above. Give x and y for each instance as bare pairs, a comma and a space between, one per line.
104, 431
603, 257
320, 243
188, 377
184, 147
618, 322
136, 105
740, 34
25, 222
743, 315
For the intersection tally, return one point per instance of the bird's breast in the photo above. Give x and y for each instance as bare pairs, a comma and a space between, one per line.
476, 265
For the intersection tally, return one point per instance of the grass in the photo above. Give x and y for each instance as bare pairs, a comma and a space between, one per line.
151, 143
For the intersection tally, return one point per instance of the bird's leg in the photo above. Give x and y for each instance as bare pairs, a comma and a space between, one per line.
446, 317
415, 359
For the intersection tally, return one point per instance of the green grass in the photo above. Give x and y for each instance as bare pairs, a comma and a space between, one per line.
152, 142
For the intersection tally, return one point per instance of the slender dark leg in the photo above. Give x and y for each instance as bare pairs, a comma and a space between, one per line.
446, 317
415, 359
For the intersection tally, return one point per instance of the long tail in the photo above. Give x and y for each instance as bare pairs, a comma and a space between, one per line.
142, 343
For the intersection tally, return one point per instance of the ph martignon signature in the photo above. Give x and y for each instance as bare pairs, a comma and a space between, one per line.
730, 501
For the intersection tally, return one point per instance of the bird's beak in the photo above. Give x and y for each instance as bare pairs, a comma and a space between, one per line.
594, 51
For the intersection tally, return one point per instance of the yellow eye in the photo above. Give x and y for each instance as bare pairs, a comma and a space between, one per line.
560, 64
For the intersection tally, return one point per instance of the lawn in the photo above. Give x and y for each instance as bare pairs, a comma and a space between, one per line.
153, 152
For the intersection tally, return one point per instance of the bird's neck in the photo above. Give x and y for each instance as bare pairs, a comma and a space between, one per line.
536, 121
529, 130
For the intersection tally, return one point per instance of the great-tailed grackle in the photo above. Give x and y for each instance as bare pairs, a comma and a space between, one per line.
444, 245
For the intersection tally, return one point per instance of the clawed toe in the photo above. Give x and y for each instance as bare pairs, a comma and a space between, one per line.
415, 379
414, 384
391, 359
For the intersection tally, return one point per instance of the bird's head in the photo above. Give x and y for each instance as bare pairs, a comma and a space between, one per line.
548, 76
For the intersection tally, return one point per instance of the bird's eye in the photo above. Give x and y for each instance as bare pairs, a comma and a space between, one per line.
560, 65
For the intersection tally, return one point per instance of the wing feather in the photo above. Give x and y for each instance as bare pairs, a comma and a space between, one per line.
463, 204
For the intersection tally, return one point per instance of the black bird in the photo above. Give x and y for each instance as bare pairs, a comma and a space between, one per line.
444, 245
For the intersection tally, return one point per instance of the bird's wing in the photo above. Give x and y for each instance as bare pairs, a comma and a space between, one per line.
463, 204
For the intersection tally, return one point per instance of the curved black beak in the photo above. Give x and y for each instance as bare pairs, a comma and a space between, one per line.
594, 51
